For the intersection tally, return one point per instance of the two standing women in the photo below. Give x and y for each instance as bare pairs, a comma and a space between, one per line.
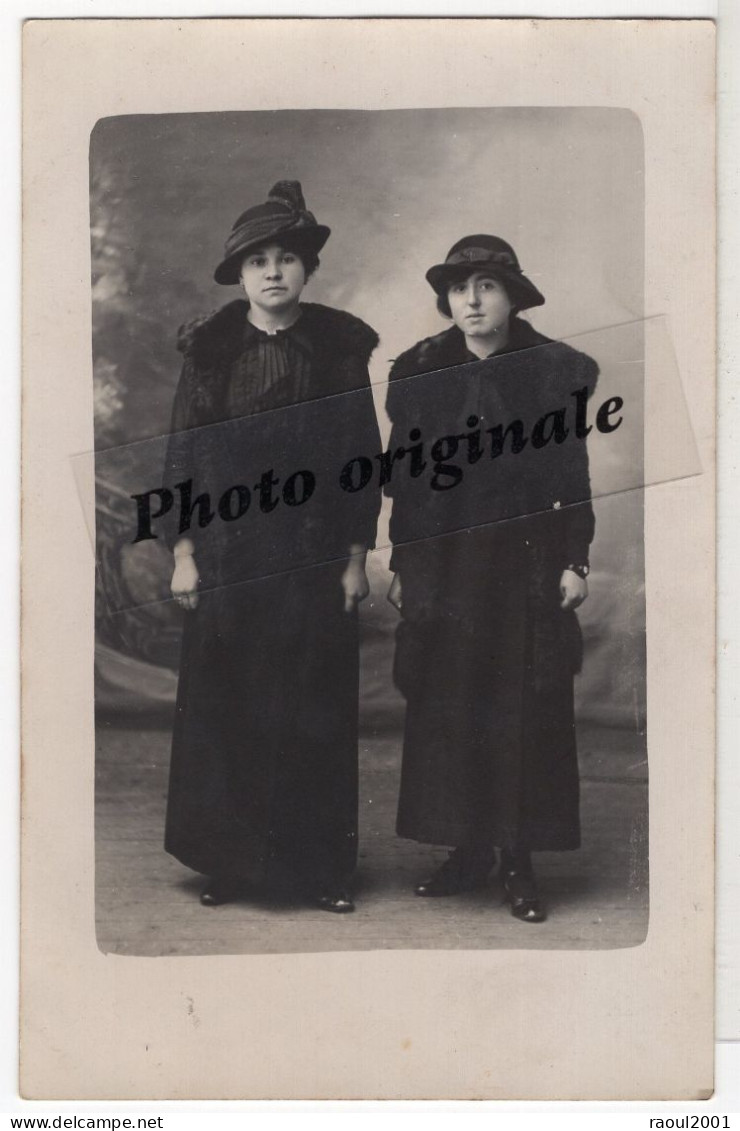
264, 762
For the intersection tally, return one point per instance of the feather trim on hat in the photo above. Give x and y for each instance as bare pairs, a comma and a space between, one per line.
290, 193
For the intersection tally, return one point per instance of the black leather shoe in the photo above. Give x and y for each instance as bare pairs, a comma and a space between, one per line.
218, 891
340, 903
461, 871
521, 894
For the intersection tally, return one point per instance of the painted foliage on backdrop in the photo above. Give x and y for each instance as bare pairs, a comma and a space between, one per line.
397, 188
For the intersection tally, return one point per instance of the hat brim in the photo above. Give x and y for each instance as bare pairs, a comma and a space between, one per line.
521, 290
312, 238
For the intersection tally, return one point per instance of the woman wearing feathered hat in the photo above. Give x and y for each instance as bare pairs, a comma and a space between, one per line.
489, 642
263, 779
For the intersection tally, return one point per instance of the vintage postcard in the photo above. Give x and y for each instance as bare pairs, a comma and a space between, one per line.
368, 559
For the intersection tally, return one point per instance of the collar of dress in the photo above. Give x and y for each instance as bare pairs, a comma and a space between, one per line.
296, 333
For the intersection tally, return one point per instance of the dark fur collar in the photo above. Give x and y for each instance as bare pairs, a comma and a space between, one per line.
448, 348
220, 335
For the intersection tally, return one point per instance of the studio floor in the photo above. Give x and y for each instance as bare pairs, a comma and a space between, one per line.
147, 903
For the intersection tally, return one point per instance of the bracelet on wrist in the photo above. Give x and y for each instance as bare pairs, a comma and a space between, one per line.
581, 568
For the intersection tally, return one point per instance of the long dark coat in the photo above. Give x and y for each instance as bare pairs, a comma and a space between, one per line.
264, 750
485, 656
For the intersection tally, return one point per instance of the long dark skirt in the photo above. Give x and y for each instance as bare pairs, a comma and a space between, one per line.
264, 752
485, 658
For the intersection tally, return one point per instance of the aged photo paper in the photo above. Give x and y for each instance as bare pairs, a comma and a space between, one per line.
244, 768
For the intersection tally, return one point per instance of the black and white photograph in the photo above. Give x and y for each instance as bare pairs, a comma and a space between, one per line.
368, 429
370, 664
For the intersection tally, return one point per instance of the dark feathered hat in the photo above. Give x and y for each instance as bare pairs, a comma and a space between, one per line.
284, 213
485, 253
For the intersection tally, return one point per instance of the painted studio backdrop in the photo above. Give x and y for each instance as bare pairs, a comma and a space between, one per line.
397, 189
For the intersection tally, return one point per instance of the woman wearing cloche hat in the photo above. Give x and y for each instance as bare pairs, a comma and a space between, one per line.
263, 778
488, 641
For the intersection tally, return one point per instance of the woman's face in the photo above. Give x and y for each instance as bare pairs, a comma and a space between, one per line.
479, 305
273, 278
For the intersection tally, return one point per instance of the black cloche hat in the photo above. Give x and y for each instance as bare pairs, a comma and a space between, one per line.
284, 213
489, 253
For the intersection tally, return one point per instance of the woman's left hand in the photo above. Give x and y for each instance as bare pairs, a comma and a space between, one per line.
573, 590
355, 585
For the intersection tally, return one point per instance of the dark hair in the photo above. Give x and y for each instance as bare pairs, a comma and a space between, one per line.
303, 250
297, 246
443, 302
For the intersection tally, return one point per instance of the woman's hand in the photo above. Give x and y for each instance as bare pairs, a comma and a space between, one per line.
573, 590
355, 585
185, 579
354, 579
394, 593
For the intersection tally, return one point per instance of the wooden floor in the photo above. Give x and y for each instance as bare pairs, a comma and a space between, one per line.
147, 903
